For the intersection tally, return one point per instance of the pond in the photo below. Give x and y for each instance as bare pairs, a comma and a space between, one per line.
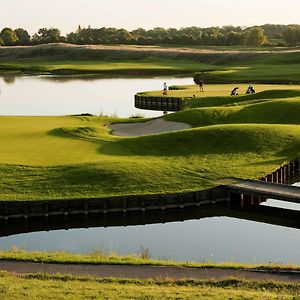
216, 233
46, 95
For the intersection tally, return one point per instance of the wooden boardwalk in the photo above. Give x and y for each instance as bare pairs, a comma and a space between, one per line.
264, 189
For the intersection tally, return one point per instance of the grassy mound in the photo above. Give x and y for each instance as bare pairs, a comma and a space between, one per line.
283, 111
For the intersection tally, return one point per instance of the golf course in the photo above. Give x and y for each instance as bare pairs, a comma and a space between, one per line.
70, 157
149, 150
214, 140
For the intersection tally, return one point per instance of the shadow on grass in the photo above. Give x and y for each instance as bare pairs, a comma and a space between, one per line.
59, 132
217, 140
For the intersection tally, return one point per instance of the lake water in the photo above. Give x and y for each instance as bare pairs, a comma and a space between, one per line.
255, 235
41, 95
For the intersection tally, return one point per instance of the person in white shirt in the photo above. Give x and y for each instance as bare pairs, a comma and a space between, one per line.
165, 92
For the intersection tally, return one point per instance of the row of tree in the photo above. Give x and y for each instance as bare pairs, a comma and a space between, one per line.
279, 35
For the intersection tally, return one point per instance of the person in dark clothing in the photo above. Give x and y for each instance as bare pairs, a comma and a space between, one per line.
250, 89
234, 92
201, 84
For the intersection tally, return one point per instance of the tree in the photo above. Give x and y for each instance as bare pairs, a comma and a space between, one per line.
23, 36
45, 35
291, 35
78, 29
255, 37
124, 37
234, 38
9, 37
72, 38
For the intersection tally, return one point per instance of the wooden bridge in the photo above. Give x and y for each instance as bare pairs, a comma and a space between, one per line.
257, 191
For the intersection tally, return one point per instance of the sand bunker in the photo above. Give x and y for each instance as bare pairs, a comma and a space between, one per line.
147, 128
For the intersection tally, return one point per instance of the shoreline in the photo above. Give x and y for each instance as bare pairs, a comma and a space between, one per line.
147, 272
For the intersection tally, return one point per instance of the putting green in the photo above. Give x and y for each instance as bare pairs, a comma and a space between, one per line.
219, 90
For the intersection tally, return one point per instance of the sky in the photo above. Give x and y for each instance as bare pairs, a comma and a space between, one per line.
131, 14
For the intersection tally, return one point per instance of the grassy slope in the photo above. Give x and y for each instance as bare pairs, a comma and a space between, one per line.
75, 157
276, 111
228, 65
69, 287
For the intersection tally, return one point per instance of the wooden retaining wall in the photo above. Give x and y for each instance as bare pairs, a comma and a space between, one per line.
136, 203
163, 103
284, 173
45, 209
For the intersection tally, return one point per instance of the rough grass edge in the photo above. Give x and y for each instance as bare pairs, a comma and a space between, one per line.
102, 258
231, 282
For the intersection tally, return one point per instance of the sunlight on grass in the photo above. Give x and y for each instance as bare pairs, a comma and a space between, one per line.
76, 156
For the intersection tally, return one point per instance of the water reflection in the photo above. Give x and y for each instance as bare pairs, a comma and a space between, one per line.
9, 79
284, 204
40, 95
215, 232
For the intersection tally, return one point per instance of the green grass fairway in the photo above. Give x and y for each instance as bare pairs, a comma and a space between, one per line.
94, 66
77, 157
219, 65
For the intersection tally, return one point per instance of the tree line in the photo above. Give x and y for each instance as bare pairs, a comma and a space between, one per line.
265, 35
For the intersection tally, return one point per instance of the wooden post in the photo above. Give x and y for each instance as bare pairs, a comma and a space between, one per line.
6, 212
180, 201
247, 200
284, 173
275, 178
256, 200
143, 208
104, 206
86, 207
46, 210
293, 168
66, 210
25, 211
162, 205
278, 179
124, 205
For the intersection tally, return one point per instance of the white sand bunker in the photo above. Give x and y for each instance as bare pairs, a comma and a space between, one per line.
147, 128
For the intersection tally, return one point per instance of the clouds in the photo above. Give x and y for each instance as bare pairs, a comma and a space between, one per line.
130, 14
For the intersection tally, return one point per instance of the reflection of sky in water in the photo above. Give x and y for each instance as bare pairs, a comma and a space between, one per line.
283, 204
42, 96
217, 239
